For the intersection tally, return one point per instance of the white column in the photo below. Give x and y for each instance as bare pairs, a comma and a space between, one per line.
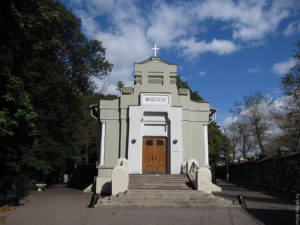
206, 163
102, 144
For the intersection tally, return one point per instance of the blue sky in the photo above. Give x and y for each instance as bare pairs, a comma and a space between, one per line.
224, 49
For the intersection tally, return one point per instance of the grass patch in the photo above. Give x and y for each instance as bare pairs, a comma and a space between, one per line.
33, 192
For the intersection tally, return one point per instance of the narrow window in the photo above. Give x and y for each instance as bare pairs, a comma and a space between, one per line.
159, 143
149, 142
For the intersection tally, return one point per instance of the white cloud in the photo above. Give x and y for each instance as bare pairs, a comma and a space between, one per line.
250, 20
228, 121
128, 29
292, 28
167, 23
266, 111
283, 67
202, 73
192, 48
122, 51
124, 38
254, 70
89, 25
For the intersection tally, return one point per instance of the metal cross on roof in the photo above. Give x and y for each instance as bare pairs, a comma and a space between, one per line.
155, 49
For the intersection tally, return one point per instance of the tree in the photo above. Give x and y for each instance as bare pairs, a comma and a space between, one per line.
184, 84
245, 135
47, 68
89, 130
253, 118
120, 85
219, 144
17, 122
217, 141
289, 119
232, 133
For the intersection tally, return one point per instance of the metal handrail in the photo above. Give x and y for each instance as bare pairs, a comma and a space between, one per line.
185, 168
193, 171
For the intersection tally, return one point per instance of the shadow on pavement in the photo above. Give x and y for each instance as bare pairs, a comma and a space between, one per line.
270, 206
274, 217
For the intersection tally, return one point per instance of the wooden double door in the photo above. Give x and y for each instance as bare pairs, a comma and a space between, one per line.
154, 155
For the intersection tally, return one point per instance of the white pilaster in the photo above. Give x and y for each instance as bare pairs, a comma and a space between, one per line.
102, 144
206, 162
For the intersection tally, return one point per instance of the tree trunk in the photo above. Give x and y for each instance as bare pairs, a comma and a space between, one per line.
233, 148
86, 153
259, 138
244, 146
297, 137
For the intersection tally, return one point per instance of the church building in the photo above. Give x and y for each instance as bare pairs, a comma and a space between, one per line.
154, 125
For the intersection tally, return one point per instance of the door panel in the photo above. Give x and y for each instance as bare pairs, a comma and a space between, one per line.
154, 154
147, 155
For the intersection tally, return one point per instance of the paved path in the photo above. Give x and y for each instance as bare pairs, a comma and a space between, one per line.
62, 205
270, 206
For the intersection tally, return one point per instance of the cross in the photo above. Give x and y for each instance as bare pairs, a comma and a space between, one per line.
155, 50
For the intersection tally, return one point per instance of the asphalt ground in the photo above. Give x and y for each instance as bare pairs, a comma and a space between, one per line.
62, 205
268, 205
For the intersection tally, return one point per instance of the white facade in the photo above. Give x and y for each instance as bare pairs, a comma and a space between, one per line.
155, 119
154, 108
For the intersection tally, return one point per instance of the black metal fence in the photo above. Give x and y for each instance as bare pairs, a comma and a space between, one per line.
13, 189
278, 172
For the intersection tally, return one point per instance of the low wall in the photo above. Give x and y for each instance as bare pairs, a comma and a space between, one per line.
276, 172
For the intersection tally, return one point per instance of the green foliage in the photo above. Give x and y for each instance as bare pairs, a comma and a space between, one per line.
184, 84
120, 85
195, 96
290, 83
218, 143
256, 113
32, 184
46, 68
289, 121
17, 122
108, 96
181, 84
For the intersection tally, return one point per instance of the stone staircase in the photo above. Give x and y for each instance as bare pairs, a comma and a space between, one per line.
159, 181
162, 191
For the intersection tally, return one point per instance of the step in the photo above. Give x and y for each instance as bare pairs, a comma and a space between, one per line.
159, 181
161, 201
162, 198
166, 204
163, 195
162, 191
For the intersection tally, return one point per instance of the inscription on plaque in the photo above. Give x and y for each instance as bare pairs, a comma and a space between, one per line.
155, 99
147, 99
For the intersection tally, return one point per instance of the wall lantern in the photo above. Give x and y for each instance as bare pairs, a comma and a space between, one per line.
175, 141
133, 140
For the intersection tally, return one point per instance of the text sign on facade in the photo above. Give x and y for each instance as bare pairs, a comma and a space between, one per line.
176, 149
155, 99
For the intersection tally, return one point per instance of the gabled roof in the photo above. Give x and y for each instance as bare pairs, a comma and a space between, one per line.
155, 58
